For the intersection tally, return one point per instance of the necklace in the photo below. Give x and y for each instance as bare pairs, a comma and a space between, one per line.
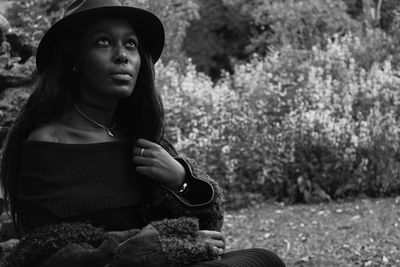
108, 129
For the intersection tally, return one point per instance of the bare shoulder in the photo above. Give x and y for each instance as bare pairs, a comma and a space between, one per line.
46, 133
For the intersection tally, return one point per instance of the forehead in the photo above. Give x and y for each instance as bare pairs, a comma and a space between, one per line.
110, 25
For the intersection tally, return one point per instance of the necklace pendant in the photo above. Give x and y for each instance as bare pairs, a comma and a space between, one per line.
109, 132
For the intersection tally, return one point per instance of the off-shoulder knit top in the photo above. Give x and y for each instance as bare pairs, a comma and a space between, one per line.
94, 182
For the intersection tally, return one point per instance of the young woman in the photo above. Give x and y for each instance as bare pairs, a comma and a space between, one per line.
88, 146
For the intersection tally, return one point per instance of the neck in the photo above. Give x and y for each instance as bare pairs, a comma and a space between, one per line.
95, 106
101, 114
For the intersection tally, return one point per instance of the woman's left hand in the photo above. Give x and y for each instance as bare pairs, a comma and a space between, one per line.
214, 238
155, 162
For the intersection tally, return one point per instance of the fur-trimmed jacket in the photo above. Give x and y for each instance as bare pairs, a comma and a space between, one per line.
170, 221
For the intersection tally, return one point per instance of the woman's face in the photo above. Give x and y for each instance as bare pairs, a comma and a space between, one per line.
109, 60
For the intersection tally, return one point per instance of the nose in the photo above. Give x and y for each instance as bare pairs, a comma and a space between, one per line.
120, 56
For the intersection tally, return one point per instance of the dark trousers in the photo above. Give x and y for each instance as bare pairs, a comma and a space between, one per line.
253, 257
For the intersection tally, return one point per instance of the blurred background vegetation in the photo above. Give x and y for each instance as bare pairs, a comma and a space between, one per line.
286, 100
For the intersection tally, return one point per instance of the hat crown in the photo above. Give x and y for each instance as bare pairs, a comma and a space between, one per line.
82, 5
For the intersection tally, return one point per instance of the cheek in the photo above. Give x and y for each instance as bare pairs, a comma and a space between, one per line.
92, 67
94, 62
136, 62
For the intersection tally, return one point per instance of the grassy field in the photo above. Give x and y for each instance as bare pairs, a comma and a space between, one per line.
364, 232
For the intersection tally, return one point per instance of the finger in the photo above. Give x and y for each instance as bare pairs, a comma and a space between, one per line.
214, 234
142, 161
224, 240
141, 142
141, 152
217, 243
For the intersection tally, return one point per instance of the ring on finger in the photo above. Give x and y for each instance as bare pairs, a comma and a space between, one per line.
141, 152
220, 251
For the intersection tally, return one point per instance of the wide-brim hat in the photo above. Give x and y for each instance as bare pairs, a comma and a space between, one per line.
80, 12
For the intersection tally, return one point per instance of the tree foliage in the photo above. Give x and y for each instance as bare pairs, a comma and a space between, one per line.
33, 17
216, 34
302, 24
176, 16
232, 30
218, 38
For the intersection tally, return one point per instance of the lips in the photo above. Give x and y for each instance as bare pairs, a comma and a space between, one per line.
121, 75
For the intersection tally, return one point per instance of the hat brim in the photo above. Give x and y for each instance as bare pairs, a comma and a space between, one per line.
146, 24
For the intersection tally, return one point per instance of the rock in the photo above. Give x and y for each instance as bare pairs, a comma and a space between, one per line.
20, 46
4, 24
11, 100
8, 81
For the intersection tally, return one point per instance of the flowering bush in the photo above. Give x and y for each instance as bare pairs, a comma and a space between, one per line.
297, 125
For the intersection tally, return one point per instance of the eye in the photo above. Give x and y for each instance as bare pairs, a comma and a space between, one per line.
102, 41
131, 43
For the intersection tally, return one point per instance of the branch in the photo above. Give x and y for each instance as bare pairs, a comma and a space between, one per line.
378, 11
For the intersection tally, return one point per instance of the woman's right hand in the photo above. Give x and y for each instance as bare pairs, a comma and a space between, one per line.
214, 238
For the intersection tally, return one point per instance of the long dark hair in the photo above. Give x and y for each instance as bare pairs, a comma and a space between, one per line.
141, 114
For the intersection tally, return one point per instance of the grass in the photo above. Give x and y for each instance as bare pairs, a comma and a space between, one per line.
363, 232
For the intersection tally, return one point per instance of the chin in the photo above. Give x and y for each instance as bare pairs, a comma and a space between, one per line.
121, 91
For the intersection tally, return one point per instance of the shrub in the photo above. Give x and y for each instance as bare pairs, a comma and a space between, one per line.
300, 125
